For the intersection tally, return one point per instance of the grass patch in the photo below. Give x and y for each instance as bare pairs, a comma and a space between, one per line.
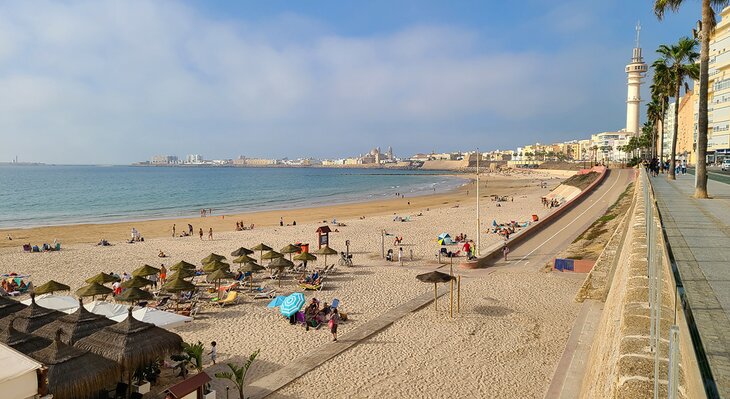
581, 181
599, 228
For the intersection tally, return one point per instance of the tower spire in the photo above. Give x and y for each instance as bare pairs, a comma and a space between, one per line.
638, 32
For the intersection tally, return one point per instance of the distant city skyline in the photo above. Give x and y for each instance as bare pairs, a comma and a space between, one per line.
115, 83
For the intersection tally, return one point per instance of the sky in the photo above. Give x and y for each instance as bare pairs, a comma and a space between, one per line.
110, 82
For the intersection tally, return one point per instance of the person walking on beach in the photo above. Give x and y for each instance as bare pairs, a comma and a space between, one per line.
173, 230
190, 229
505, 251
163, 273
334, 321
400, 256
213, 352
281, 221
200, 232
210, 233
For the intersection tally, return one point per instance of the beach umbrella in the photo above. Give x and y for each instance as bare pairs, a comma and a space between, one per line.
183, 265
281, 264
138, 282
146, 270
177, 284
261, 248
51, 287
305, 256
271, 255
244, 259
292, 304
215, 265
134, 294
435, 277
211, 258
20, 341
326, 250
290, 249
102, 278
33, 317
76, 325
132, 343
74, 373
9, 306
251, 268
241, 251
276, 302
218, 275
183, 273
93, 289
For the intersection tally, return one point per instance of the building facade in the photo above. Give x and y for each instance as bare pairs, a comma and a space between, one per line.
718, 135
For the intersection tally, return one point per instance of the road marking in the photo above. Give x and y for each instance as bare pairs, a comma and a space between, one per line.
574, 220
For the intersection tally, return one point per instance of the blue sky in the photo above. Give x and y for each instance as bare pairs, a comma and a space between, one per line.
117, 82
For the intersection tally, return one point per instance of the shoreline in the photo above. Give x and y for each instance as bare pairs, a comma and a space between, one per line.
118, 231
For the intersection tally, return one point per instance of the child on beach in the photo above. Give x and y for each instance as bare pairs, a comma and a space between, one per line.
210, 234
213, 351
200, 232
334, 321
505, 251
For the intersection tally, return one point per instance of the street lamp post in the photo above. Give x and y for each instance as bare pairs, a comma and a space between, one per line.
479, 225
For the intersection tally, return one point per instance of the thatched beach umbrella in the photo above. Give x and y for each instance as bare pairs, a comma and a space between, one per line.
74, 373
51, 287
215, 265
183, 265
251, 268
290, 249
9, 306
435, 277
20, 341
132, 343
244, 259
271, 255
93, 289
305, 257
211, 258
77, 325
146, 270
134, 294
219, 275
34, 317
261, 248
183, 273
177, 284
102, 278
138, 282
281, 264
241, 251
326, 250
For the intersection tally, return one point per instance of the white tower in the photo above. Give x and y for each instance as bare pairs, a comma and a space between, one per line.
635, 71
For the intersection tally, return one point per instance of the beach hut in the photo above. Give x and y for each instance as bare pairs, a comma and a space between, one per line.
9, 306
137, 282
435, 277
191, 388
211, 258
61, 303
34, 317
50, 287
134, 294
325, 250
132, 343
102, 278
19, 375
241, 251
20, 341
146, 270
183, 265
74, 373
93, 290
77, 325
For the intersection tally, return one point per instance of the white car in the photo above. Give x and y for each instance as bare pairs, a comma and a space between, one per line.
726, 165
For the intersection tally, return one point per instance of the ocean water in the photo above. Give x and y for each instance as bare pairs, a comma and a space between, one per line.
53, 195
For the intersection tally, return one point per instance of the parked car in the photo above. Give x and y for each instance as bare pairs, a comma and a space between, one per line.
726, 164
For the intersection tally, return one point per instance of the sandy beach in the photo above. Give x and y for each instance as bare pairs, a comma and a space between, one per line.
505, 343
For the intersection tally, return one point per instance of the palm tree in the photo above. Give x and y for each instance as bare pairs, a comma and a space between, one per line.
654, 113
680, 58
707, 26
192, 355
237, 375
662, 89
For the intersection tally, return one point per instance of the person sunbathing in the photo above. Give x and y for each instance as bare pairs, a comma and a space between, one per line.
161, 255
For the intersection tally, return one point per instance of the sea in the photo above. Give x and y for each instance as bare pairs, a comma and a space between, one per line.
41, 195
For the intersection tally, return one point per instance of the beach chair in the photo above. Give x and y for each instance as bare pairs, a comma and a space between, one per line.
232, 297
161, 304
265, 294
335, 303
311, 287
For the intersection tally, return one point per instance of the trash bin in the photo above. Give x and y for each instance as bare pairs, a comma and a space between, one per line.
535, 218
305, 247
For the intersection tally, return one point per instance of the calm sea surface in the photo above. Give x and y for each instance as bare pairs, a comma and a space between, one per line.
53, 195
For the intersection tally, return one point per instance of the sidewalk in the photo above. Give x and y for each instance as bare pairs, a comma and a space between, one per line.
698, 233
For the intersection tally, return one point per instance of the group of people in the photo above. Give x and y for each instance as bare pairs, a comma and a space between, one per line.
313, 279
136, 236
56, 246
184, 233
14, 284
240, 226
460, 238
550, 203
655, 167
315, 316
206, 212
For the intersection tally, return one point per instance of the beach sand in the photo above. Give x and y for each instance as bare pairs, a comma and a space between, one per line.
505, 343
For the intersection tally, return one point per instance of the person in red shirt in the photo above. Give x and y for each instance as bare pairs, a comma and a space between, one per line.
467, 248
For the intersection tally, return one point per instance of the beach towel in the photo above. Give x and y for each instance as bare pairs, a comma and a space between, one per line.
335, 303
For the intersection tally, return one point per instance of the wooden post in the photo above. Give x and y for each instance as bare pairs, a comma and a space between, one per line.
458, 294
451, 300
435, 297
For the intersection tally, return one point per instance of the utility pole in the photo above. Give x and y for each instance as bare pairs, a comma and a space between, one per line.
479, 224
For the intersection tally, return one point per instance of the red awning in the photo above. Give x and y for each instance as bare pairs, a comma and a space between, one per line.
324, 229
190, 385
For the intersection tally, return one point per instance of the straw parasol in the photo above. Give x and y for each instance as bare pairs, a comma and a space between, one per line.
281, 264
134, 294
290, 249
183, 265
74, 373
211, 258
9, 306
243, 259
261, 248
138, 282
435, 277
93, 289
271, 255
305, 257
184, 273
251, 267
132, 343
102, 278
215, 265
218, 275
241, 251
34, 316
326, 250
177, 284
51, 287
145, 270
20, 341
77, 325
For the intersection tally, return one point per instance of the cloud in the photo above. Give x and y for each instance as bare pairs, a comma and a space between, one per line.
118, 82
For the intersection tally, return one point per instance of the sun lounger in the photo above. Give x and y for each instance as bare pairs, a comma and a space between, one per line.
232, 297
265, 294
335, 303
311, 287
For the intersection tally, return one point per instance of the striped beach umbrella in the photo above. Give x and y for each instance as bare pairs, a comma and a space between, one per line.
292, 304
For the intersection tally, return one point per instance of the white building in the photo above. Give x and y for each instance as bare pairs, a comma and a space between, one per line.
194, 159
606, 146
635, 71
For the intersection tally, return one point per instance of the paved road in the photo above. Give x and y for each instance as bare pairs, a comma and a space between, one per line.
714, 173
541, 248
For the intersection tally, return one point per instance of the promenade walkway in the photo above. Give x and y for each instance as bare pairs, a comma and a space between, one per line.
698, 234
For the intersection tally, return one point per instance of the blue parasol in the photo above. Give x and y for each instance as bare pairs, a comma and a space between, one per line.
276, 302
292, 304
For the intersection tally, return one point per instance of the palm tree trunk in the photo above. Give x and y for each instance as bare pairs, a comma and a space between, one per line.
701, 166
661, 134
673, 158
